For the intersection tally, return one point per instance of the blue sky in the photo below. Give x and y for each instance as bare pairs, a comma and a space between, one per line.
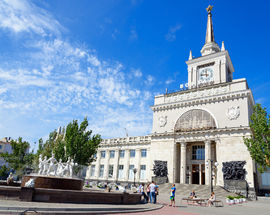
106, 59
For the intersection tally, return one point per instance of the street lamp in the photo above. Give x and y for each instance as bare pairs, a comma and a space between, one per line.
210, 163
134, 171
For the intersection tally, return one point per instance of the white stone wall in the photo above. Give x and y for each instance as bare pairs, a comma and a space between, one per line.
231, 147
126, 144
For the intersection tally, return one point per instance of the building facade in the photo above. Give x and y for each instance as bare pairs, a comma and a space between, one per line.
203, 123
5, 146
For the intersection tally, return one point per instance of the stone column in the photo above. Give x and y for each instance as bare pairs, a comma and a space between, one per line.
149, 166
97, 165
219, 174
116, 165
106, 165
175, 163
207, 160
137, 165
183, 163
126, 165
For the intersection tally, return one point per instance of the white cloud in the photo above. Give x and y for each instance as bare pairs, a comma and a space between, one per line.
133, 35
23, 16
169, 81
171, 35
149, 80
137, 72
57, 81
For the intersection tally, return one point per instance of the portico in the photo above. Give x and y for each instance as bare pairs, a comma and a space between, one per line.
193, 157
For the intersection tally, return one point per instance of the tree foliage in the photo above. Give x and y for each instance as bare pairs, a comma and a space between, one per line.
259, 142
20, 157
4, 171
76, 142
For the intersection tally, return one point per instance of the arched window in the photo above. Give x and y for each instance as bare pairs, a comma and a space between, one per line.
194, 120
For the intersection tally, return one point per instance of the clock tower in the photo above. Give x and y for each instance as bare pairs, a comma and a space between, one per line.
214, 66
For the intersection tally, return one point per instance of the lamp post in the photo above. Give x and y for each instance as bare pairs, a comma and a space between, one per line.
210, 163
134, 171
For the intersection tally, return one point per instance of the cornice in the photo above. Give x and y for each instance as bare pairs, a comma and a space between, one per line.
205, 133
203, 100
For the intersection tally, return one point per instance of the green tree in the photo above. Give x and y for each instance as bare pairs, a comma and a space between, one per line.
20, 157
4, 171
80, 144
259, 142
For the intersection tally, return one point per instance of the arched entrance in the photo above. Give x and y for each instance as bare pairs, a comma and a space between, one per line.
194, 152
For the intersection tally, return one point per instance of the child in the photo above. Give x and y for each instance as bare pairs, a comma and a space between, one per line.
172, 195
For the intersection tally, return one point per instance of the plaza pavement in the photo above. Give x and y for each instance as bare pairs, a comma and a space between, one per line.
260, 207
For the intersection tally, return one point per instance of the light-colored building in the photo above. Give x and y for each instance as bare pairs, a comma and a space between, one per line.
203, 122
5, 146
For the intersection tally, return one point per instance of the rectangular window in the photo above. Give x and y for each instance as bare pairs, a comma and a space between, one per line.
130, 172
112, 152
110, 171
143, 153
101, 171
95, 155
1, 147
122, 153
92, 171
198, 152
121, 171
132, 153
103, 154
143, 172
266, 178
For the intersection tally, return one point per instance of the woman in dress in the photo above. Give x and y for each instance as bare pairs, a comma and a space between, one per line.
211, 199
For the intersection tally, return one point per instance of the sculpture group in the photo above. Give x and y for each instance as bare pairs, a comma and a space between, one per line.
234, 170
160, 168
51, 167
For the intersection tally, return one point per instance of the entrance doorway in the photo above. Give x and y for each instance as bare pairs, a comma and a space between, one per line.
195, 174
202, 174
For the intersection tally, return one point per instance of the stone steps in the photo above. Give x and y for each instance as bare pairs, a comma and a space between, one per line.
202, 191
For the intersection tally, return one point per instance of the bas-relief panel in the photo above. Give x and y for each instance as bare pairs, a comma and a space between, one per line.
197, 94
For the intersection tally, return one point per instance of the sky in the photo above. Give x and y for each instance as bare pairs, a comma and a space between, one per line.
63, 60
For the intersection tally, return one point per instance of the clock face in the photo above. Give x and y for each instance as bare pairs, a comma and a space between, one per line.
205, 75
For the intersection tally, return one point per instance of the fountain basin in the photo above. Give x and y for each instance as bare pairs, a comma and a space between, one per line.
54, 182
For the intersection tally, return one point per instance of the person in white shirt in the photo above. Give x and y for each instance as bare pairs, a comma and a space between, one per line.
152, 188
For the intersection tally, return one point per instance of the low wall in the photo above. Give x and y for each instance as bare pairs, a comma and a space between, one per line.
52, 182
67, 196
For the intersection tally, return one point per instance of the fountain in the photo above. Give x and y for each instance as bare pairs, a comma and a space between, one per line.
53, 175
54, 182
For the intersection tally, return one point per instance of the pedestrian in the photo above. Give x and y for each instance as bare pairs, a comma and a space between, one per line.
156, 193
172, 195
148, 192
141, 191
211, 199
152, 188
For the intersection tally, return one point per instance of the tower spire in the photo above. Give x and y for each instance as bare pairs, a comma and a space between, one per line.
209, 31
210, 45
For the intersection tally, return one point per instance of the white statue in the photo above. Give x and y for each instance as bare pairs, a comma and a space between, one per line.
71, 164
52, 165
41, 164
30, 183
65, 171
60, 168
45, 166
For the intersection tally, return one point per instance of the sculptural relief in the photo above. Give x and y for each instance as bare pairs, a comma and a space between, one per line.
234, 170
233, 112
162, 121
160, 168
